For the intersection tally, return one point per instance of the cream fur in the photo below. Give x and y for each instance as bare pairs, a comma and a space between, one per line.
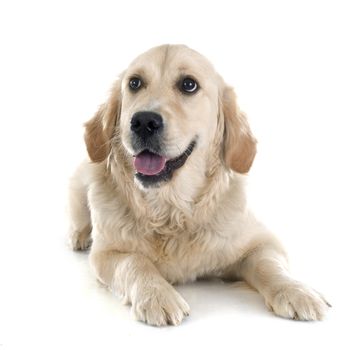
197, 224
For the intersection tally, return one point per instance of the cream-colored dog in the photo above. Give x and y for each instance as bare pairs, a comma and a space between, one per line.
163, 198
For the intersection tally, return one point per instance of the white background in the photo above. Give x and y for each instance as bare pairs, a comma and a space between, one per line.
289, 62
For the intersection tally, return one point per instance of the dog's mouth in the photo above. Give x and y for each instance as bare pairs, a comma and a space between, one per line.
152, 168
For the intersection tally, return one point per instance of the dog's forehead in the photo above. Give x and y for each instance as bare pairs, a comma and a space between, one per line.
175, 58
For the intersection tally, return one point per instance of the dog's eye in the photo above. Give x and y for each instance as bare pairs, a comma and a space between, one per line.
135, 83
189, 86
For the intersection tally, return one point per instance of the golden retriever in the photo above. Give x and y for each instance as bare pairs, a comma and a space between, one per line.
162, 198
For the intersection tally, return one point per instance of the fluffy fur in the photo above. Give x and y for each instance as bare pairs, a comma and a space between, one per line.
195, 225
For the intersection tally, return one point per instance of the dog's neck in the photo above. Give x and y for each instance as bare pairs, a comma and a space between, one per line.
179, 201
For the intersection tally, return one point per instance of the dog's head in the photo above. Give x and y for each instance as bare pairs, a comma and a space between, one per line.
168, 109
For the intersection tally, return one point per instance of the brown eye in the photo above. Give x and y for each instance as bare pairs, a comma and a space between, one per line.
189, 86
135, 83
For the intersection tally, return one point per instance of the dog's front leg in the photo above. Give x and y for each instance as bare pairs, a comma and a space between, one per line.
266, 269
137, 281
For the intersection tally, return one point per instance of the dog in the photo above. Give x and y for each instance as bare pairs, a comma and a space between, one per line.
161, 199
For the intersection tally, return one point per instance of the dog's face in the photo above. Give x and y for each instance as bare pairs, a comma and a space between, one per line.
169, 105
169, 108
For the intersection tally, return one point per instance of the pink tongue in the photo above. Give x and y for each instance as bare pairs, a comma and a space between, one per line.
148, 163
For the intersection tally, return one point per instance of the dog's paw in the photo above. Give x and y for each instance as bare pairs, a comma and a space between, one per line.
160, 305
298, 302
80, 240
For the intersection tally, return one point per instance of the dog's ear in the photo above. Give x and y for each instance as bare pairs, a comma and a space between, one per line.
239, 144
99, 130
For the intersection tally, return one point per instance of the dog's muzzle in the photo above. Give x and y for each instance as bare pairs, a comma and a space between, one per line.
150, 163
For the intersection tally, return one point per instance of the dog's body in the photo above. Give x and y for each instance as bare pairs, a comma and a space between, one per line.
179, 212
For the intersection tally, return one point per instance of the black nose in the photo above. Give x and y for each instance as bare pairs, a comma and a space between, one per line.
146, 124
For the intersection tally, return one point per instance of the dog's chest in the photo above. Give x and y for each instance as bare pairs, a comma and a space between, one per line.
186, 256
180, 249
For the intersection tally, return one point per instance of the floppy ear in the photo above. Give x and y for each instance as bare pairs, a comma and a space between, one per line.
99, 130
239, 143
